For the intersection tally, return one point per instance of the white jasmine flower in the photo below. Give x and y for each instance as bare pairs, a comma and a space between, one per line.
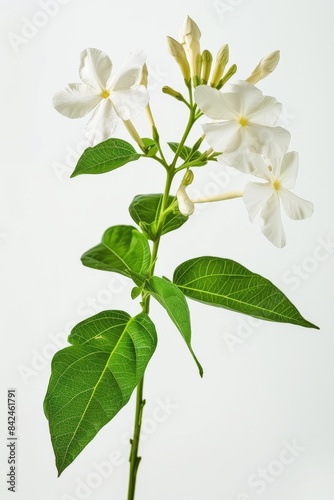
280, 175
111, 97
246, 123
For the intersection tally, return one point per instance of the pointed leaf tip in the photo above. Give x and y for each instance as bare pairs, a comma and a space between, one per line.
111, 350
105, 157
225, 283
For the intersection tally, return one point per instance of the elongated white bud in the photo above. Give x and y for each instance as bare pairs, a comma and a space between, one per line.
186, 206
178, 52
221, 62
265, 67
190, 38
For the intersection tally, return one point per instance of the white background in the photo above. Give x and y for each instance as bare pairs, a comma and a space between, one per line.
271, 388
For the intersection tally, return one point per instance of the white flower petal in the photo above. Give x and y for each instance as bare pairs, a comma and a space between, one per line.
102, 123
259, 167
237, 141
218, 105
275, 167
251, 97
272, 142
130, 103
289, 169
236, 160
131, 72
75, 100
218, 135
186, 206
267, 112
296, 208
95, 68
272, 226
237, 154
255, 196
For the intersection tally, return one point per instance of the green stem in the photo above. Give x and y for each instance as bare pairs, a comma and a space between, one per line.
134, 459
190, 123
140, 402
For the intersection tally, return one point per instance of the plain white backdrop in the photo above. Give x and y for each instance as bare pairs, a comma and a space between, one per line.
267, 388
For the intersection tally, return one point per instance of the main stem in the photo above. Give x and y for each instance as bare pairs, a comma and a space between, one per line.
140, 402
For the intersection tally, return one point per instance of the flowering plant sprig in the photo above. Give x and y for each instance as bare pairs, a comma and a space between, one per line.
94, 377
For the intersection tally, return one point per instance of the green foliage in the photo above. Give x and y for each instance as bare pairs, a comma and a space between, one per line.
151, 146
144, 210
186, 153
173, 300
95, 377
225, 283
123, 250
106, 156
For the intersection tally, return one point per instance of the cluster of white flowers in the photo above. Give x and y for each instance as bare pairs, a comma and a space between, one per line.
243, 129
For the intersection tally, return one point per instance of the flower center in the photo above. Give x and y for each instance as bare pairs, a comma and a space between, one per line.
243, 121
277, 185
105, 94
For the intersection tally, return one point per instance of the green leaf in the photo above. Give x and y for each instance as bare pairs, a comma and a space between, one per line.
172, 299
225, 283
136, 291
151, 146
95, 377
144, 210
106, 156
123, 250
185, 152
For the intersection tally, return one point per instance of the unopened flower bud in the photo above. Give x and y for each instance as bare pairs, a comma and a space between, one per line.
186, 206
206, 66
198, 70
265, 67
188, 178
178, 52
221, 62
231, 71
190, 37
173, 93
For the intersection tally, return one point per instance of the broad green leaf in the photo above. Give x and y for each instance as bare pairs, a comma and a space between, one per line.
106, 156
173, 300
225, 283
123, 250
144, 211
185, 152
94, 378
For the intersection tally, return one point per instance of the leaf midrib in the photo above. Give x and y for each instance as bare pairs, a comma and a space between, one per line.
236, 301
101, 332
105, 149
97, 384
